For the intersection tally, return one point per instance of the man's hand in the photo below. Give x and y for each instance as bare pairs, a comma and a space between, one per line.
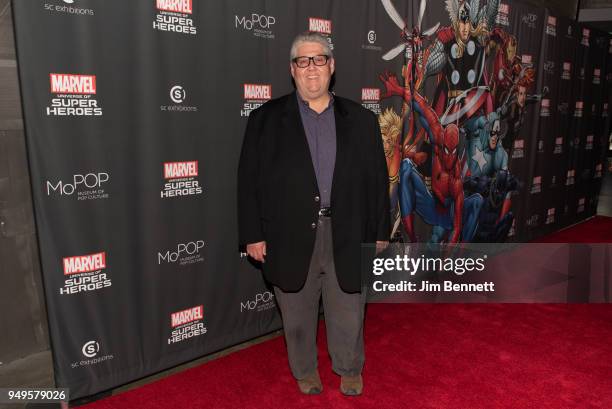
257, 251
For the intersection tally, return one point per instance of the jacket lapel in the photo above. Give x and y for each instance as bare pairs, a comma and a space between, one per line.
293, 128
343, 126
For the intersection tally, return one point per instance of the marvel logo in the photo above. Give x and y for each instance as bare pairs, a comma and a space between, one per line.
320, 25
72, 84
545, 103
567, 66
178, 6
537, 180
370, 94
519, 144
552, 20
186, 316
258, 92
559, 141
84, 264
579, 105
526, 59
174, 170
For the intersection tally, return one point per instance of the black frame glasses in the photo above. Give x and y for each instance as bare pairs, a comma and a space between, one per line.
304, 62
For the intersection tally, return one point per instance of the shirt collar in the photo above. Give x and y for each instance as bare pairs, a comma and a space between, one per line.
306, 106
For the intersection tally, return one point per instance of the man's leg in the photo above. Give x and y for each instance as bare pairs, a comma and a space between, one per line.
300, 315
343, 316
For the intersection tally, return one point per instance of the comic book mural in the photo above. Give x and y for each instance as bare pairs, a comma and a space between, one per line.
462, 149
493, 114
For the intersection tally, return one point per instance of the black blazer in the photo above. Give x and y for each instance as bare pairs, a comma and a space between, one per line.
277, 188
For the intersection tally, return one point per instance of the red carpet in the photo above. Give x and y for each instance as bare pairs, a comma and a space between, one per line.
595, 230
425, 356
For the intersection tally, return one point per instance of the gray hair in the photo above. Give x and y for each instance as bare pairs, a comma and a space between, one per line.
310, 37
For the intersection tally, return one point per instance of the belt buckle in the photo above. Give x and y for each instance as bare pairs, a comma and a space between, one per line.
325, 212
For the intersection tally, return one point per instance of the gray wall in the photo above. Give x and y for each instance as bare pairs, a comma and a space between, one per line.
23, 320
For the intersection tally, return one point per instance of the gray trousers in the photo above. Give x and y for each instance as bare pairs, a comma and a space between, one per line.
343, 314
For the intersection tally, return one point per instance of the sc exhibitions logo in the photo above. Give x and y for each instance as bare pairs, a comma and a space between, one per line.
178, 95
74, 95
70, 8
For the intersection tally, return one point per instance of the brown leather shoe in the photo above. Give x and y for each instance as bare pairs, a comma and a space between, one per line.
311, 384
351, 385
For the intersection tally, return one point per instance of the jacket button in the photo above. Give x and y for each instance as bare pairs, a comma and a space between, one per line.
314, 225
317, 198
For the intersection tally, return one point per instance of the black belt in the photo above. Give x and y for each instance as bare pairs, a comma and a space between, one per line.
325, 212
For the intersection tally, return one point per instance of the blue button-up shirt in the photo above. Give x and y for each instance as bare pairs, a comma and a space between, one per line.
320, 132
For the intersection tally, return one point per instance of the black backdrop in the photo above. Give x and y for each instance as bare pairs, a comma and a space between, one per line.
133, 162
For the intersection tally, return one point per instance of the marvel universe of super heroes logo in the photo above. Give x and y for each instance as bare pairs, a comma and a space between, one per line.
558, 145
586, 35
88, 186
182, 254
181, 179
597, 76
581, 203
570, 177
589, 142
551, 26
321, 26
503, 15
255, 95
545, 108
186, 324
370, 99
578, 112
174, 16
567, 71
74, 95
85, 273
69, 8
536, 185
598, 171
518, 150
550, 216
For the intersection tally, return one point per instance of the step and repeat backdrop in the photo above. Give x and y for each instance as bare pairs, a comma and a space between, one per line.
135, 113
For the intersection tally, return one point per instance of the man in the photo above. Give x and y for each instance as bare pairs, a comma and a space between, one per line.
312, 187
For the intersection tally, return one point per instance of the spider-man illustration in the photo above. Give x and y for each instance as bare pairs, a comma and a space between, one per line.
454, 218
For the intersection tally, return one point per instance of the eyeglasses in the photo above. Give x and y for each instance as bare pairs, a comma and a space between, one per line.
318, 60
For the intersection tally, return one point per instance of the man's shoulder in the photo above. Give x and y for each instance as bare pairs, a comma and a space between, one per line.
273, 105
352, 107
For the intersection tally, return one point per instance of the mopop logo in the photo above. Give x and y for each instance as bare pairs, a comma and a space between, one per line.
85, 273
261, 302
255, 95
73, 95
181, 179
259, 24
174, 16
186, 324
86, 186
184, 254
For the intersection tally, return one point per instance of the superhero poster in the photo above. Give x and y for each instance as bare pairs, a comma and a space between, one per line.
456, 150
